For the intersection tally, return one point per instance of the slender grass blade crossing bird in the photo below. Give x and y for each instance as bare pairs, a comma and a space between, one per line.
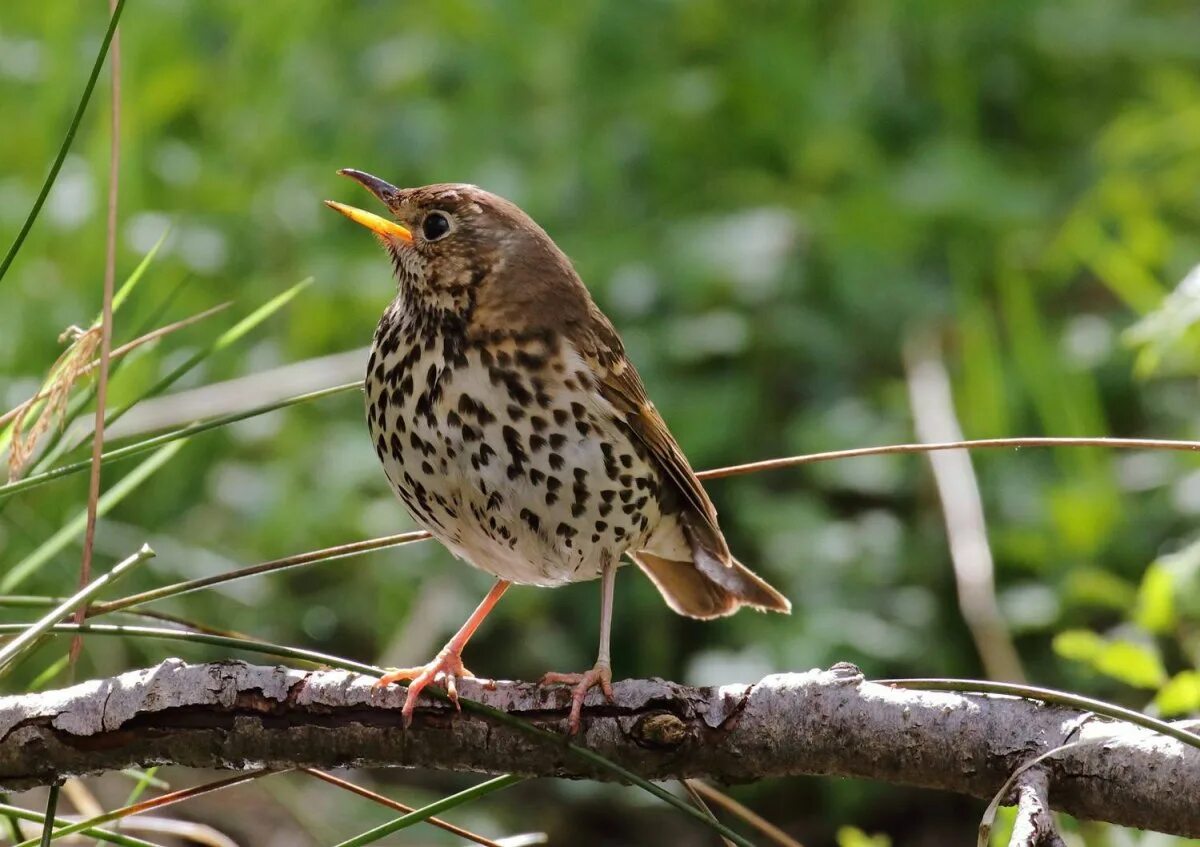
513, 427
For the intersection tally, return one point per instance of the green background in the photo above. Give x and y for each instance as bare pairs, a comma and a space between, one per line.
768, 199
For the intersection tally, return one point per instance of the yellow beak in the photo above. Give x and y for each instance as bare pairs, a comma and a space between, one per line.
380, 226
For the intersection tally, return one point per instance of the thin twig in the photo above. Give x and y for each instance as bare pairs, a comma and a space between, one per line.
962, 509
392, 804
326, 554
106, 322
698, 800
735, 808
969, 444
1034, 826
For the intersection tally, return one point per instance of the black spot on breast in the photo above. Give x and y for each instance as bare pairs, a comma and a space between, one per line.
538, 423
534, 522
561, 417
556, 462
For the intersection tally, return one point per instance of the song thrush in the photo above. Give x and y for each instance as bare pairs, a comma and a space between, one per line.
513, 427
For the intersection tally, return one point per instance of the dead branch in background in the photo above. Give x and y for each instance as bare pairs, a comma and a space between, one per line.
962, 507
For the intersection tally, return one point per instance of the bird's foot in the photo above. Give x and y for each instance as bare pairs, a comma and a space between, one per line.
447, 667
600, 675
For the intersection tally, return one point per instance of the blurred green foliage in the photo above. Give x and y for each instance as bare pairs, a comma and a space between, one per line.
768, 199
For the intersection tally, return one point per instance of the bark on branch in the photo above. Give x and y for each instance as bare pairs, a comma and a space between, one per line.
235, 715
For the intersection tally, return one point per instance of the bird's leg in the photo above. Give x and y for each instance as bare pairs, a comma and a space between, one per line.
601, 673
448, 663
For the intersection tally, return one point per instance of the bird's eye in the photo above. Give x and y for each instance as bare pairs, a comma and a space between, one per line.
435, 226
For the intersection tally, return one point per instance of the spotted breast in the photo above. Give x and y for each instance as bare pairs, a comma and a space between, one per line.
500, 444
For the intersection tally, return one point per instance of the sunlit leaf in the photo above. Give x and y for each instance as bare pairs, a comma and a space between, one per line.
1156, 600
1080, 645
1134, 664
852, 836
1181, 694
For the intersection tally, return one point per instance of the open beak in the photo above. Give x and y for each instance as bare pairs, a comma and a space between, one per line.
378, 225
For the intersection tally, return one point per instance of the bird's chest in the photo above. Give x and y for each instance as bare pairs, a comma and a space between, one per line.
508, 456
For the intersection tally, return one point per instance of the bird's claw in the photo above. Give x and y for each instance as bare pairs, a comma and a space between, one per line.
600, 675
446, 667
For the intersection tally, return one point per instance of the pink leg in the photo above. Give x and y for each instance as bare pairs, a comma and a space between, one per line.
447, 665
601, 673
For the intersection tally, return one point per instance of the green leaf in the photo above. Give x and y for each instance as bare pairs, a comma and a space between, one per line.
852, 836
1181, 694
1079, 645
1155, 609
1134, 664
50, 548
1097, 587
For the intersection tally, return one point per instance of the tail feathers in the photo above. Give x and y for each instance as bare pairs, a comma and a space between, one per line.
708, 588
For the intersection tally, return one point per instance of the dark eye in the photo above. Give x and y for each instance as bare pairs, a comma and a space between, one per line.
436, 225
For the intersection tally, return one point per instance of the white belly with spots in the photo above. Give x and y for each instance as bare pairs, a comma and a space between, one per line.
523, 474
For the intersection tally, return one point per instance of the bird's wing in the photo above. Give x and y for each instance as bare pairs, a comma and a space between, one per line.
620, 384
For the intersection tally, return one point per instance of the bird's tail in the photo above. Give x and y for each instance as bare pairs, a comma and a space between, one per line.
711, 589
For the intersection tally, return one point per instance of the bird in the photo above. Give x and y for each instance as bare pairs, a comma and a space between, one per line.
514, 428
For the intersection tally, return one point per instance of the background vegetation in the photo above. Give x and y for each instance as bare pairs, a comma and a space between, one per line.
769, 199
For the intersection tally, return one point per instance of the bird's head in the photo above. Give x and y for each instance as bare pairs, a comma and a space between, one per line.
450, 242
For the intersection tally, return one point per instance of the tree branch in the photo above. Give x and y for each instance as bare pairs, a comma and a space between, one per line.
235, 715
1034, 826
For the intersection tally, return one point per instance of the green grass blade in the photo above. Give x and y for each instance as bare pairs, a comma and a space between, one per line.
52, 670
81, 400
149, 444
26, 639
229, 337
66, 145
135, 277
100, 834
21, 571
145, 779
48, 818
425, 812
